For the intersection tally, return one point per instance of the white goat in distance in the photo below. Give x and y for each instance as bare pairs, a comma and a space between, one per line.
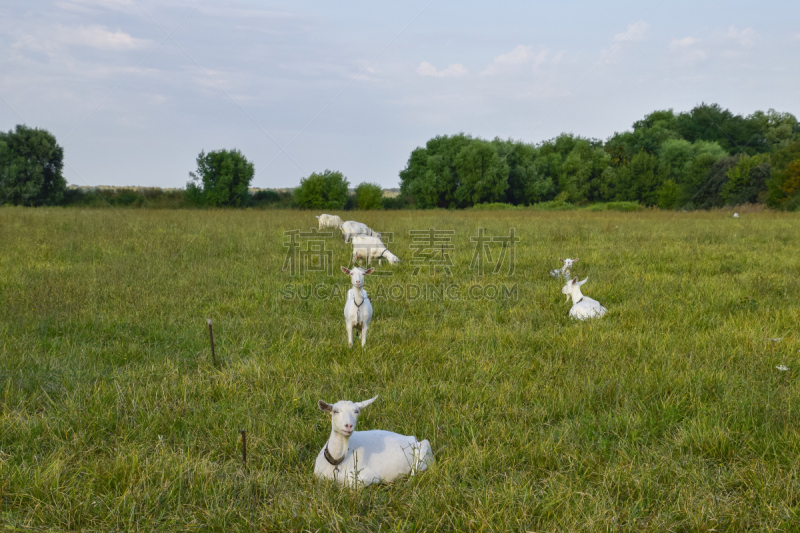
352, 228
583, 307
370, 248
357, 308
361, 458
329, 221
563, 272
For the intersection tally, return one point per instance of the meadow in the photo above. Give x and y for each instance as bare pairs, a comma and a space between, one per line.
668, 414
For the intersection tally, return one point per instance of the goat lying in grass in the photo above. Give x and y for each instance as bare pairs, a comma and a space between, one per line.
360, 458
357, 308
563, 272
583, 307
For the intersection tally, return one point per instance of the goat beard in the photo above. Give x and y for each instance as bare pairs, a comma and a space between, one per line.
567, 299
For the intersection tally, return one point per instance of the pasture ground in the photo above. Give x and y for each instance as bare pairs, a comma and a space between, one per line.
668, 414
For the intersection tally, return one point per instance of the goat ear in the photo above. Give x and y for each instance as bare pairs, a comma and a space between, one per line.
575, 280
370, 272
575, 260
324, 406
365, 403
344, 269
584, 280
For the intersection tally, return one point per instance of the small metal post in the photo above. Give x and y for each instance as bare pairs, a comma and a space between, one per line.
211, 335
244, 448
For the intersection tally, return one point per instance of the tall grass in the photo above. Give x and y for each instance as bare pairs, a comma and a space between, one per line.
666, 414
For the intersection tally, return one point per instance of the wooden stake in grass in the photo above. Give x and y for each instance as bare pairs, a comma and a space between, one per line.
211, 335
244, 448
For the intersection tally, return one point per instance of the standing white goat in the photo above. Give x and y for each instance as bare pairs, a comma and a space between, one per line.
361, 458
351, 228
583, 307
736, 215
329, 221
366, 247
357, 309
563, 272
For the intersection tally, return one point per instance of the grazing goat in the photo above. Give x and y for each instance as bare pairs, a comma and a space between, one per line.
369, 248
563, 272
351, 228
357, 308
361, 458
329, 221
736, 215
583, 307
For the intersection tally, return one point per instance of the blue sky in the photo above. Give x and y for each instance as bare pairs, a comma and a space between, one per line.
134, 89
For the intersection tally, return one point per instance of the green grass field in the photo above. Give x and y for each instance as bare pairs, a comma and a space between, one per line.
667, 414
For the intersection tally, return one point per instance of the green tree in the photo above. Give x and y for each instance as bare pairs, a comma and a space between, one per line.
582, 171
746, 180
222, 179
708, 194
328, 190
369, 196
668, 195
734, 133
482, 174
782, 159
648, 135
430, 177
640, 181
30, 167
528, 180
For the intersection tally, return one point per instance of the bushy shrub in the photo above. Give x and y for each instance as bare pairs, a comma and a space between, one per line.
369, 196
30, 167
328, 190
222, 179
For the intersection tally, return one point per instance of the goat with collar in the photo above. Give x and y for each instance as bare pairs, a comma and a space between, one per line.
583, 307
361, 458
357, 308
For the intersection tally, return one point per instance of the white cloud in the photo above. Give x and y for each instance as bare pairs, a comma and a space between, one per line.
686, 42
518, 57
103, 39
745, 37
685, 51
427, 69
108, 4
90, 36
635, 32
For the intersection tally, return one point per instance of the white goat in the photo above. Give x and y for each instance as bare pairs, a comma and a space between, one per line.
357, 309
361, 458
736, 215
351, 228
329, 221
563, 272
366, 247
583, 307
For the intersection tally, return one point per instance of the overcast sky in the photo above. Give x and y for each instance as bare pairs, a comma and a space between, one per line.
134, 89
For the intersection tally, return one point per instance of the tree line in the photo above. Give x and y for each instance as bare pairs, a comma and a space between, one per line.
707, 157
